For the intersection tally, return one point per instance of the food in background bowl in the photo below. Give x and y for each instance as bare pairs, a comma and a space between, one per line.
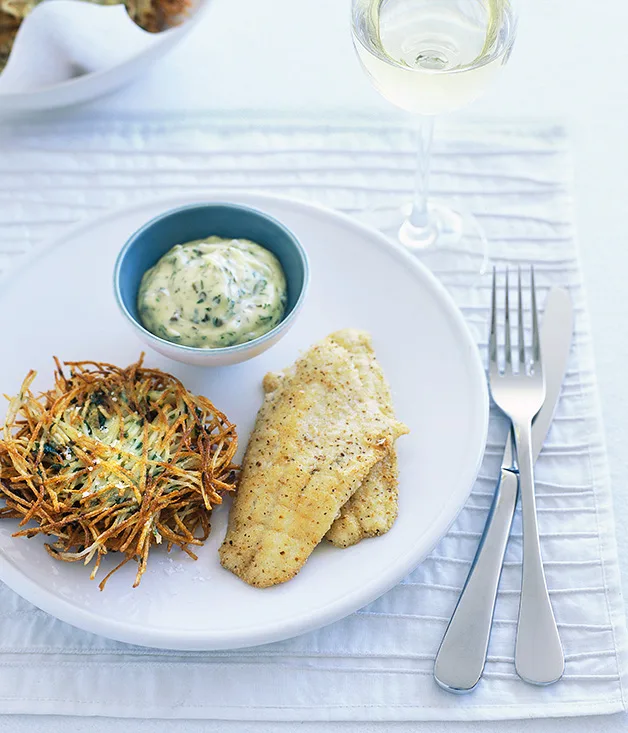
151, 15
114, 460
9, 26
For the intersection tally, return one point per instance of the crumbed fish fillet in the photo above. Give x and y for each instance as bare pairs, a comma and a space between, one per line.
372, 510
320, 431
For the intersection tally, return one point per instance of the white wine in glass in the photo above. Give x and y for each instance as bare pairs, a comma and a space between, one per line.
431, 57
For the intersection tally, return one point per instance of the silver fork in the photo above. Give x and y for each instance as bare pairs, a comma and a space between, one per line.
520, 392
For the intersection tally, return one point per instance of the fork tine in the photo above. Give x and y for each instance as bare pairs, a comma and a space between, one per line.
508, 367
536, 341
492, 347
522, 342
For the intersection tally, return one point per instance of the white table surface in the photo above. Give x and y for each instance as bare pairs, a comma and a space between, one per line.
295, 55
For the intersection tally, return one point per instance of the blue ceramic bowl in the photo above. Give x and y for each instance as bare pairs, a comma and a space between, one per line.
198, 221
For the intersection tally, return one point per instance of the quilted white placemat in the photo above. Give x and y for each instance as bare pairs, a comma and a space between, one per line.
376, 664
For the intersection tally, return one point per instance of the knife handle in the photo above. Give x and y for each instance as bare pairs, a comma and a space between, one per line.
462, 655
539, 656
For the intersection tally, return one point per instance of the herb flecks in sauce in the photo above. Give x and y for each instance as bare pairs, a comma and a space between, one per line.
213, 293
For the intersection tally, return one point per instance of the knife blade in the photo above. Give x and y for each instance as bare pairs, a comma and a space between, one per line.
556, 335
462, 655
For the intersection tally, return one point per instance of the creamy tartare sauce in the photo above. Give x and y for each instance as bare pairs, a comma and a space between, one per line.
213, 293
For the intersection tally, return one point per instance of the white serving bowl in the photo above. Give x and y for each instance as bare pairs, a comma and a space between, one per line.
68, 52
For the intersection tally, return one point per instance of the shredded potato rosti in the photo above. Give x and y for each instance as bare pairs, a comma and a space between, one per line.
116, 460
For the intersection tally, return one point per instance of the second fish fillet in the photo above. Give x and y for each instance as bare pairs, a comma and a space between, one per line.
372, 510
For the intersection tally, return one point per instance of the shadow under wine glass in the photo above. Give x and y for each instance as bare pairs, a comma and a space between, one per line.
431, 57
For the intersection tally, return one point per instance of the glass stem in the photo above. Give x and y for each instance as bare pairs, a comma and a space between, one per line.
419, 217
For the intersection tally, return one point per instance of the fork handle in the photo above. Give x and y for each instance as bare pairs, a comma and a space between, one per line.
539, 657
462, 655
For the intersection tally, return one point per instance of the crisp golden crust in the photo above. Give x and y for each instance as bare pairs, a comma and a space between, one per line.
318, 434
114, 460
372, 510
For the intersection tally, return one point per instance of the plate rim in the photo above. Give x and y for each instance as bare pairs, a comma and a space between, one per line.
195, 640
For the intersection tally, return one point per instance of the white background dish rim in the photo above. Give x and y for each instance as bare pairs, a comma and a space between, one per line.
78, 88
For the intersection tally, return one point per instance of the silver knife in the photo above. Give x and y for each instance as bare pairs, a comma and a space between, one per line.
462, 655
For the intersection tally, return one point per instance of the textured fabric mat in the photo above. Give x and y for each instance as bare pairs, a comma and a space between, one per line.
376, 664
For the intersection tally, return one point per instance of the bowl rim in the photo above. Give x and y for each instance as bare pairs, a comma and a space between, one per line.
236, 348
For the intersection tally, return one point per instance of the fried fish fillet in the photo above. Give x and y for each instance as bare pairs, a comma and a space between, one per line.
319, 433
372, 510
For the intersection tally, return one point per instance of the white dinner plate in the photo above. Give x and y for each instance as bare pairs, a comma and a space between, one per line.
61, 303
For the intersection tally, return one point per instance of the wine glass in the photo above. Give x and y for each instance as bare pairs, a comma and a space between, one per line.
430, 57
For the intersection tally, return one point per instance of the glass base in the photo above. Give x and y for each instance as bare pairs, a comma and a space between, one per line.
450, 241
